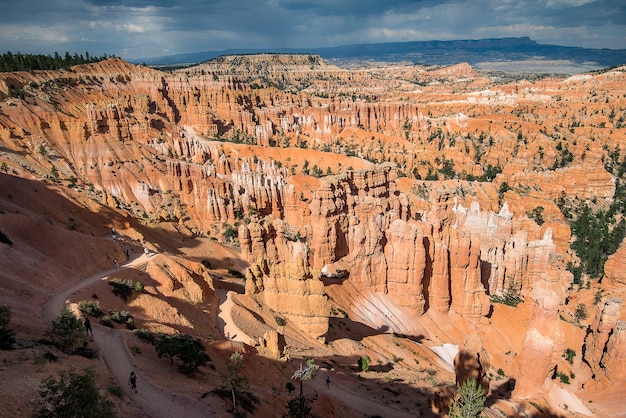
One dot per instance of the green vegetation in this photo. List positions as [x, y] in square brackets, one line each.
[364, 363]
[504, 187]
[7, 336]
[190, 351]
[537, 215]
[511, 297]
[233, 380]
[116, 391]
[28, 62]
[72, 395]
[125, 288]
[597, 231]
[569, 355]
[300, 406]
[90, 307]
[122, 317]
[470, 400]
[67, 331]
[490, 172]
[580, 313]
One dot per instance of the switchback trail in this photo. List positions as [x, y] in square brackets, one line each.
[160, 403]
[151, 399]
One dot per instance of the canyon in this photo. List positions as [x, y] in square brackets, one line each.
[384, 211]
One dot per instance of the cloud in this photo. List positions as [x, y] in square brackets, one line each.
[144, 28]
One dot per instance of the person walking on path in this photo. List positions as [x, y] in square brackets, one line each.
[88, 326]
[116, 263]
[132, 381]
[328, 382]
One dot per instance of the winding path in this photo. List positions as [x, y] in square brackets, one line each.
[151, 399]
[160, 403]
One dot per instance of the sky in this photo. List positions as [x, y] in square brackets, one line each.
[134, 29]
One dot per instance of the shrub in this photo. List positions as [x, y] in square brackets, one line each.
[125, 288]
[72, 395]
[537, 215]
[569, 355]
[116, 391]
[364, 363]
[90, 307]
[67, 331]
[290, 387]
[123, 317]
[511, 297]
[189, 350]
[146, 336]
[580, 313]
[106, 321]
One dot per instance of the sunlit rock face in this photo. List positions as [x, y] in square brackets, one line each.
[316, 173]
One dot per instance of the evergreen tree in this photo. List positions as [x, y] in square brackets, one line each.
[298, 407]
[67, 331]
[470, 400]
[232, 380]
[72, 395]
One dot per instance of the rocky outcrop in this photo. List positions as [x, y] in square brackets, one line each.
[472, 362]
[181, 279]
[280, 273]
[613, 359]
[605, 320]
[543, 344]
[273, 345]
[615, 266]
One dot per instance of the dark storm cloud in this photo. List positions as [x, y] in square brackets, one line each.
[144, 28]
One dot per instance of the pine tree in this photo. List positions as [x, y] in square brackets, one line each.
[66, 331]
[232, 379]
[470, 400]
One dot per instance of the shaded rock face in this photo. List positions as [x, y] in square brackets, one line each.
[543, 343]
[272, 345]
[472, 362]
[615, 356]
[602, 333]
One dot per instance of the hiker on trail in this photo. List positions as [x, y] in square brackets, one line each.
[113, 233]
[88, 326]
[328, 382]
[146, 251]
[132, 381]
[127, 254]
[116, 263]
